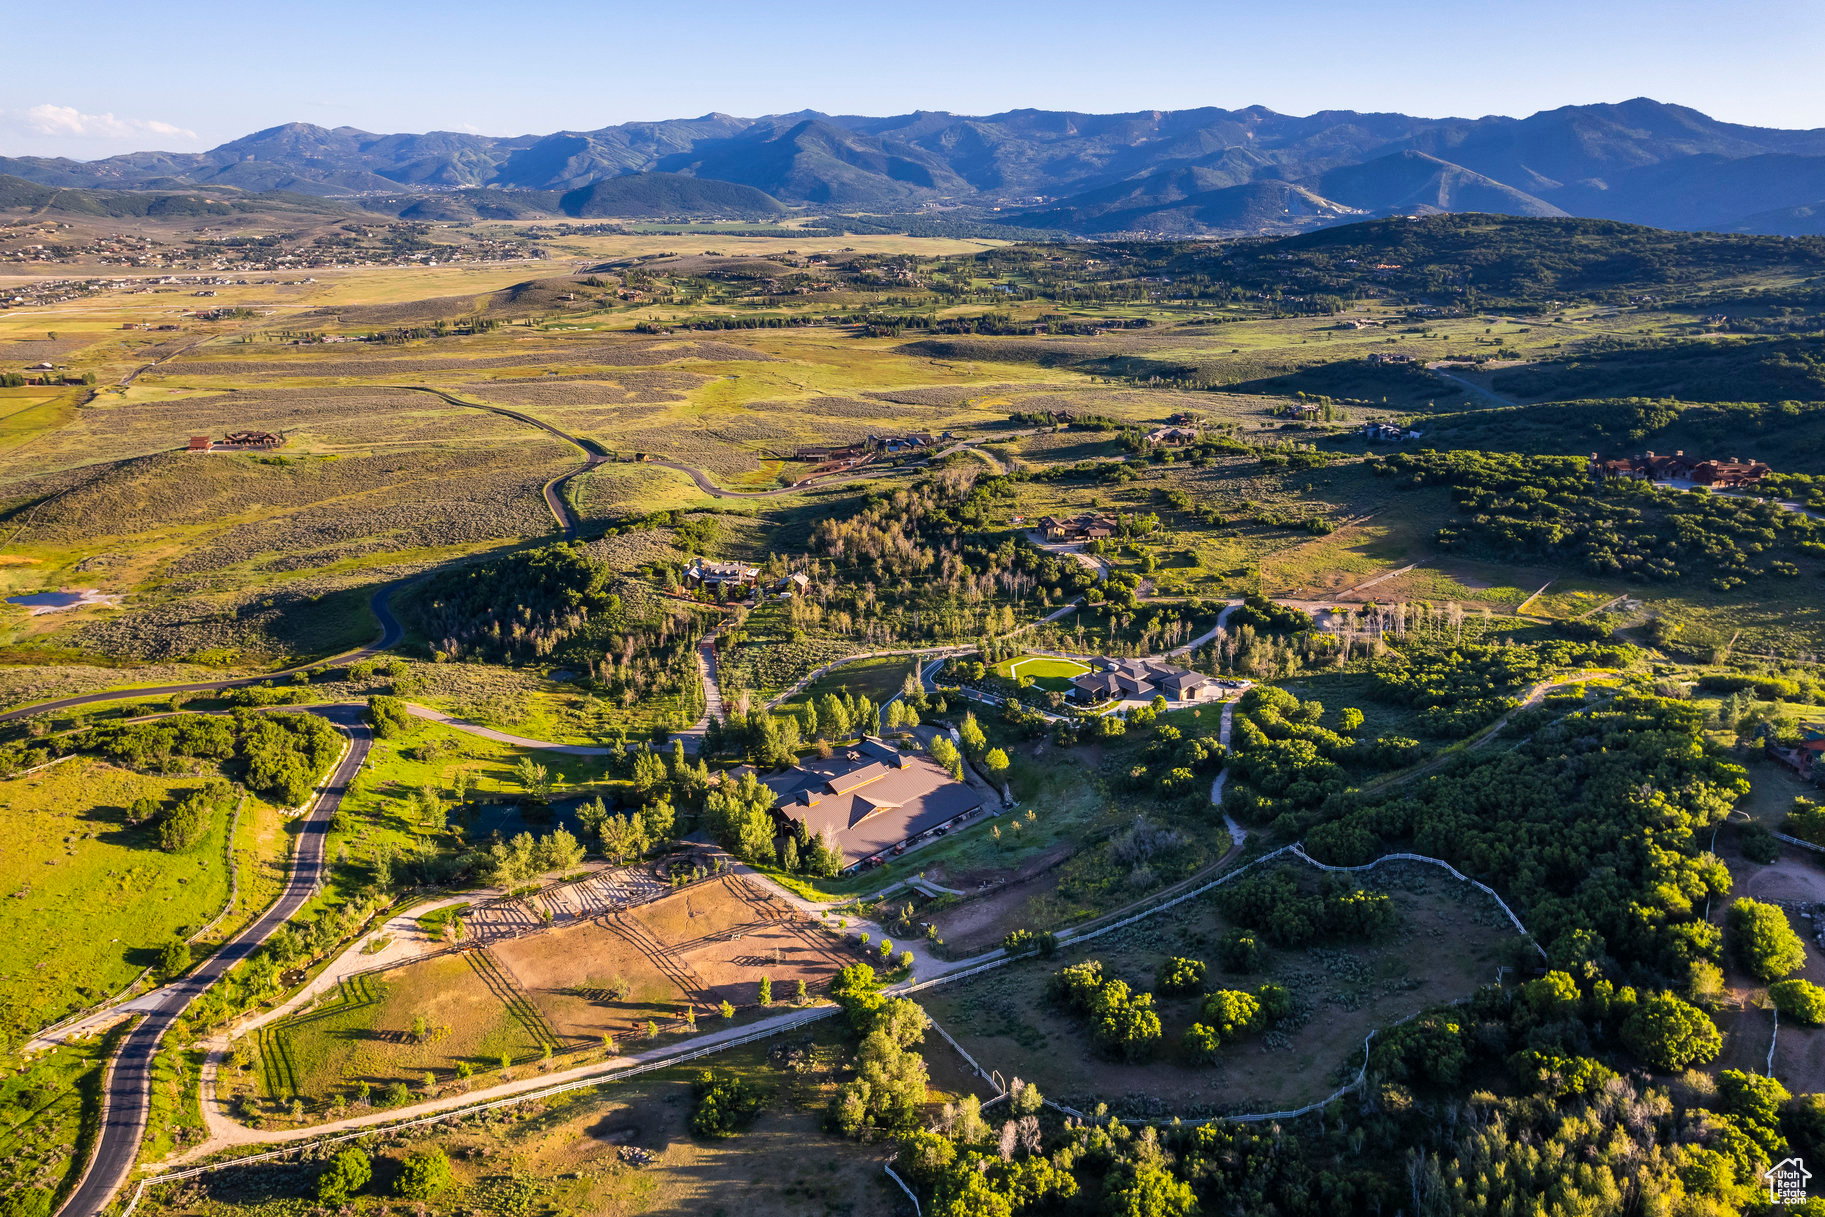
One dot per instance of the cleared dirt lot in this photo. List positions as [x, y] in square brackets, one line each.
[705, 945]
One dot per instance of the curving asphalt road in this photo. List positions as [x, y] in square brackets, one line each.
[593, 453]
[127, 1097]
[390, 634]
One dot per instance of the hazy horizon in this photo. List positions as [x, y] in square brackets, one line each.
[215, 73]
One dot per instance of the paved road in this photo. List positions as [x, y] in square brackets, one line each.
[502, 737]
[390, 634]
[1472, 385]
[127, 1097]
[593, 454]
[717, 492]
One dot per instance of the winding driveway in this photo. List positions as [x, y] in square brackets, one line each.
[127, 1094]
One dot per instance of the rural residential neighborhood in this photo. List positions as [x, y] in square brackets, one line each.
[1123, 618]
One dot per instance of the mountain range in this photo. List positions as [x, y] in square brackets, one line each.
[1184, 172]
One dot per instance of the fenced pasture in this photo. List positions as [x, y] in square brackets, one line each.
[514, 988]
[1450, 940]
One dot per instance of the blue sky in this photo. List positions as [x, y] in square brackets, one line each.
[106, 77]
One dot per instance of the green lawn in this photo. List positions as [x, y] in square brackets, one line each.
[1047, 672]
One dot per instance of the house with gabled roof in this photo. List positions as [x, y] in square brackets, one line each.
[1143, 680]
[870, 799]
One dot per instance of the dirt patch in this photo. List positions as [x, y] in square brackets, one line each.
[1792, 880]
[700, 947]
[982, 921]
[1799, 1059]
[591, 980]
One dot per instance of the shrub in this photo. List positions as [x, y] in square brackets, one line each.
[1231, 1013]
[1758, 844]
[1240, 951]
[1125, 1023]
[348, 1172]
[389, 717]
[1122, 1023]
[1201, 1042]
[187, 823]
[1075, 984]
[1561, 1076]
[1764, 941]
[423, 1175]
[1276, 1003]
[1800, 1000]
[1179, 975]
[726, 1104]
[1428, 1049]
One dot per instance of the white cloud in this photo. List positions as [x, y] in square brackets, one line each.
[67, 122]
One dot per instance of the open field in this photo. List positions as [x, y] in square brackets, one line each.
[564, 988]
[1450, 940]
[364, 1034]
[52, 1106]
[91, 900]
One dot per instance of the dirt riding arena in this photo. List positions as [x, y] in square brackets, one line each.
[709, 943]
[599, 894]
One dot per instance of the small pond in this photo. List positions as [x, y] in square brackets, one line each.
[47, 599]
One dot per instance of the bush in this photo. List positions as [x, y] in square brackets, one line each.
[1764, 941]
[388, 717]
[1020, 942]
[1276, 1003]
[188, 822]
[1241, 951]
[1201, 1042]
[423, 1175]
[1799, 1000]
[348, 1172]
[1123, 1023]
[1178, 975]
[1231, 1013]
[1126, 1024]
[1274, 905]
[1758, 844]
[726, 1104]
[1075, 984]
